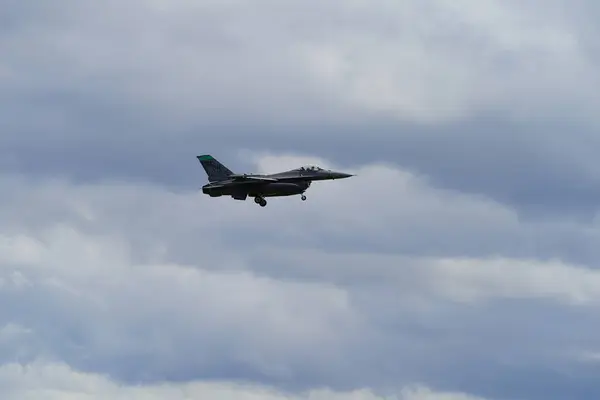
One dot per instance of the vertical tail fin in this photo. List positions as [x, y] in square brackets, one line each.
[214, 169]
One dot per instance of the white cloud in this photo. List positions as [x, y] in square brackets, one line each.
[421, 61]
[92, 282]
[381, 199]
[470, 280]
[377, 281]
[58, 381]
[404, 209]
[435, 61]
[488, 278]
[179, 284]
[217, 75]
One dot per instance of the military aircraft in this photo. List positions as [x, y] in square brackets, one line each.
[223, 182]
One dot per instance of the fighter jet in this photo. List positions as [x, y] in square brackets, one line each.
[223, 182]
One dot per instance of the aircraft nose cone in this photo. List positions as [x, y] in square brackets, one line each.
[341, 175]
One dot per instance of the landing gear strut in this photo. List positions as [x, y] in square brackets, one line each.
[303, 197]
[260, 201]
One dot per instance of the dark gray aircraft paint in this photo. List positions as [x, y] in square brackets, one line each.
[223, 182]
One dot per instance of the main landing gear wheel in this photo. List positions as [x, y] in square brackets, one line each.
[260, 201]
[303, 197]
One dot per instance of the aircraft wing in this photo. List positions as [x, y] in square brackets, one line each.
[243, 181]
[255, 179]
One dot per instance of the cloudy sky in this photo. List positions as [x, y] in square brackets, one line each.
[461, 263]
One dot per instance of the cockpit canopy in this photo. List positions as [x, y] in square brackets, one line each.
[310, 168]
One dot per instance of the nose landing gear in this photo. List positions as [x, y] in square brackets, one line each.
[303, 197]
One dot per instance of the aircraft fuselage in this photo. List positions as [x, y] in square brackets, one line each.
[274, 189]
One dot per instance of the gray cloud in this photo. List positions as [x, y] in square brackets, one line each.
[465, 270]
[496, 98]
[146, 285]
